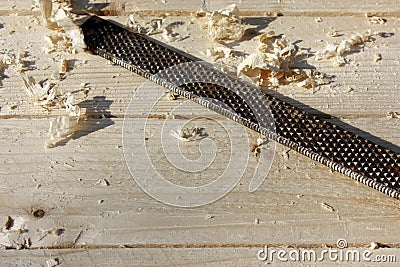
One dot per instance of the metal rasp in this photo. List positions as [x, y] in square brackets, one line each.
[309, 134]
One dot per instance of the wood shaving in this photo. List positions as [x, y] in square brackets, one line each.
[172, 96]
[64, 126]
[188, 134]
[374, 245]
[52, 262]
[169, 33]
[393, 115]
[318, 19]
[8, 223]
[18, 61]
[327, 207]
[58, 42]
[333, 33]
[219, 52]
[223, 24]
[377, 57]
[271, 65]
[134, 25]
[337, 52]
[63, 66]
[41, 94]
[46, 8]
[376, 20]
[72, 32]
[103, 182]
[139, 25]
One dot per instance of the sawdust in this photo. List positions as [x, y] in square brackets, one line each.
[337, 52]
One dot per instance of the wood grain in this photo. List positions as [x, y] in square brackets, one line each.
[86, 222]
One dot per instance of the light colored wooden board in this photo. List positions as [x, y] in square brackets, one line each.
[68, 192]
[168, 257]
[287, 7]
[288, 206]
[374, 88]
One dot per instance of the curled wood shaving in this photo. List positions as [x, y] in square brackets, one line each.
[337, 52]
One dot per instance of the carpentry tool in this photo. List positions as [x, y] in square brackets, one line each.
[309, 134]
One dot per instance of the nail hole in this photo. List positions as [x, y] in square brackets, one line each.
[39, 213]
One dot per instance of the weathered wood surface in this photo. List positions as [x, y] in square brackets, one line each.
[63, 181]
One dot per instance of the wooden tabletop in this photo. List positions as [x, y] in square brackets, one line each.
[77, 204]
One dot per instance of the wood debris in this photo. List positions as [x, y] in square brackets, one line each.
[393, 115]
[64, 126]
[327, 207]
[139, 25]
[224, 24]
[219, 52]
[52, 262]
[337, 52]
[42, 94]
[172, 96]
[169, 33]
[71, 34]
[271, 65]
[103, 182]
[377, 57]
[8, 223]
[189, 134]
[63, 66]
[376, 20]
[46, 8]
[333, 33]
[374, 245]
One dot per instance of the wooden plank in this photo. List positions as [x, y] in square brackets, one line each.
[63, 181]
[373, 88]
[87, 221]
[173, 256]
[286, 7]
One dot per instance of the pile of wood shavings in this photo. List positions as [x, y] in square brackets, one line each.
[223, 24]
[67, 36]
[45, 94]
[271, 65]
[337, 52]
